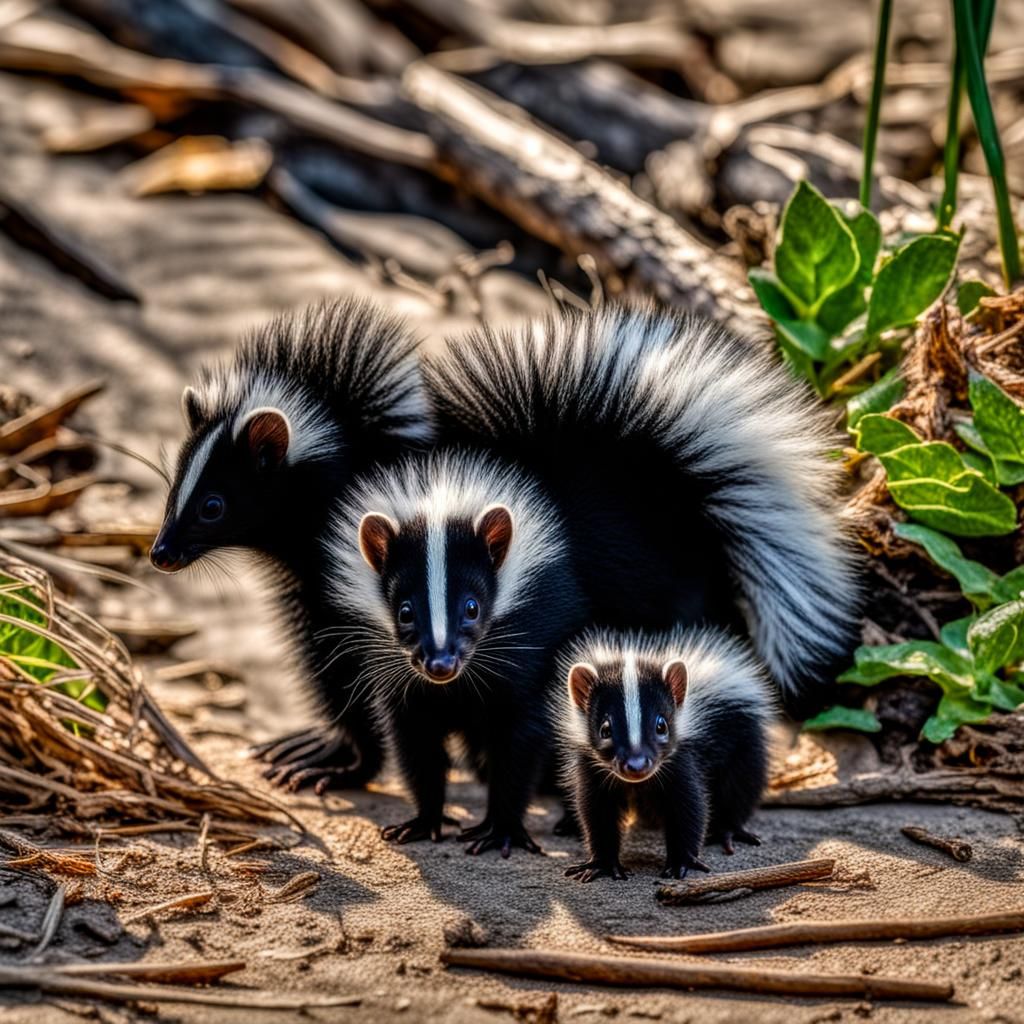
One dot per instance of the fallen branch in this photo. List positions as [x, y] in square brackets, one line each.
[58, 983]
[956, 848]
[636, 972]
[799, 933]
[552, 191]
[773, 877]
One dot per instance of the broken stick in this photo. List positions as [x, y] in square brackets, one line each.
[637, 972]
[774, 877]
[799, 933]
[956, 848]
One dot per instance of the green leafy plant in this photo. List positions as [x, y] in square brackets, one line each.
[978, 660]
[828, 303]
[30, 651]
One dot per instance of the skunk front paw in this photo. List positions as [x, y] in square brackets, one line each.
[416, 829]
[592, 869]
[680, 867]
[740, 835]
[488, 836]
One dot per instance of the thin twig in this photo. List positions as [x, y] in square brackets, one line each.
[798, 933]
[51, 922]
[54, 982]
[189, 902]
[958, 849]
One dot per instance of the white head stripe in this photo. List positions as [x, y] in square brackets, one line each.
[437, 580]
[631, 698]
[195, 468]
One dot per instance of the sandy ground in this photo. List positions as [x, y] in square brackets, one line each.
[374, 924]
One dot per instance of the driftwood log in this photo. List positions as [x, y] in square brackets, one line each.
[549, 188]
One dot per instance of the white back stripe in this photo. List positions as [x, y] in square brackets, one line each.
[437, 580]
[631, 698]
[195, 468]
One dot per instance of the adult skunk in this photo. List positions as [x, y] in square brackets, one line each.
[673, 726]
[275, 436]
[690, 468]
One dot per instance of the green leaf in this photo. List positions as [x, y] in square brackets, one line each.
[990, 689]
[999, 422]
[996, 638]
[951, 713]
[816, 254]
[844, 306]
[911, 281]
[771, 294]
[933, 483]
[954, 635]
[880, 397]
[969, 294]
[976, 580]
[881, 435]
[805, 336]
[838, 717]
[1011, 586]
[874, 665]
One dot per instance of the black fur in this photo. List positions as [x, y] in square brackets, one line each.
[612, 451]
[357, 366]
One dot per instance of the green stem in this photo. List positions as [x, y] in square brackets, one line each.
[968, 37]
[875, 104]
[951, 152]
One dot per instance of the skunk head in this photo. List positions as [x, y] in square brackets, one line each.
[227, 487]
[439, 578]
[628, 706]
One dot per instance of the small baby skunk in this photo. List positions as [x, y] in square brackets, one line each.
[275, 436]
[672, 726]
[691, 469]
[456, 567]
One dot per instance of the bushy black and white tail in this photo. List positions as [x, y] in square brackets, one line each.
[732, 420]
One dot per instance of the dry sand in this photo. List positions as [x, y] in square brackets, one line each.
[374, 923]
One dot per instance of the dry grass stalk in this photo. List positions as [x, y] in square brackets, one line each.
[123, 765]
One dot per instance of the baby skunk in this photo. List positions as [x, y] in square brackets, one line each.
[690, 467]
[275, 436]
[672, 726]
[456, 567]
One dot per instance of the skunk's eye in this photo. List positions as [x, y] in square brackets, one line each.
[405, 615]
[472, 610]
[212, 508]
[605, 732]
[661, 726]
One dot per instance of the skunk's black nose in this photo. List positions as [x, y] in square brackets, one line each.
[637, 766]
[441, 667]
[165, 558]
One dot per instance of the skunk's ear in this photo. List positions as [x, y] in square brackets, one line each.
[376, 534]
[191, 407]
[582, 680]
[266, 433]
[674, 673]
[494, 527]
